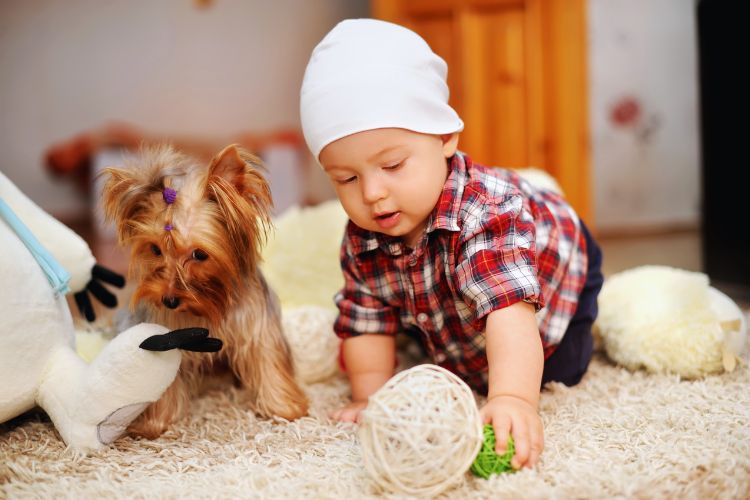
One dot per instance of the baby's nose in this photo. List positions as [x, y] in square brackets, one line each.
[170, 302]
[373, 190]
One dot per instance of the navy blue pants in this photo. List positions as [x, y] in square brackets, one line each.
[571, 359]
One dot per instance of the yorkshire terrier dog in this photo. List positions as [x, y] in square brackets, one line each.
[195, 234]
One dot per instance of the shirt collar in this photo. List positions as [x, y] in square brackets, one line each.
[445, 215]
[448, 207]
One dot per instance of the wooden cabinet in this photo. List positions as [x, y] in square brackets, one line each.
[517, 74]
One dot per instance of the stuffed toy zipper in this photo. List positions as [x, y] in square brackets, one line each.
[57, 276]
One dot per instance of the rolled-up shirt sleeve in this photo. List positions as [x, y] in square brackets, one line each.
[496, 260]
[361, 309]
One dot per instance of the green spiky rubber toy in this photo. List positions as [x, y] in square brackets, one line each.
[488, 462]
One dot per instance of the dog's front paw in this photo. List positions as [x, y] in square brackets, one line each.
[291, 406]
[148, 427]
[159, 416]
[295, 409]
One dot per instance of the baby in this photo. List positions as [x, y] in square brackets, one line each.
[495, 278]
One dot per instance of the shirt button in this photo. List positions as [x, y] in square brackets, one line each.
[422, 317]
[412, 262]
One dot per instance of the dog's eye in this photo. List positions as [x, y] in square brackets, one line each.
[155, 250]
[199, 254]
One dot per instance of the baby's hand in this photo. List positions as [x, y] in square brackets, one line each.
[514, 415]
[350, 412]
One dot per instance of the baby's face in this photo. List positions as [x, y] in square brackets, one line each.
[389, 180]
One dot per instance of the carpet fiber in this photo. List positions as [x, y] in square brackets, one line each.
[617, 434]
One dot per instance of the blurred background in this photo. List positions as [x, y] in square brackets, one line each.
[603, 94]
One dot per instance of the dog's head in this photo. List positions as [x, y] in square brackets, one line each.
[195, 231]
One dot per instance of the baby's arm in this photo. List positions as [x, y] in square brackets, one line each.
[516, 361]
[369, 361]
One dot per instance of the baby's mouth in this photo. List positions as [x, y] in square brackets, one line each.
[388, 219]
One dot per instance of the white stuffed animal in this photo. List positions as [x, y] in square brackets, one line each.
[669, 320]
[90, 405]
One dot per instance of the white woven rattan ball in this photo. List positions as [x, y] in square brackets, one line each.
[420, 432]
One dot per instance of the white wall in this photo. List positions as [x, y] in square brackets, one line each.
[647, 171]
[165, 65]
[171, 67]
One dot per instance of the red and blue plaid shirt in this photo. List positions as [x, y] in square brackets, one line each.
[492, 240]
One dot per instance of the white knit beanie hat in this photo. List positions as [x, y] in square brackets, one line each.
[367, 74]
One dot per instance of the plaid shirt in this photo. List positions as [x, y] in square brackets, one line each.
[491, 241]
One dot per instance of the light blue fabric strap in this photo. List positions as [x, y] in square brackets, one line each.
[57, 275]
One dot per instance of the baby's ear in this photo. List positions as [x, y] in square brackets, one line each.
[450, 144]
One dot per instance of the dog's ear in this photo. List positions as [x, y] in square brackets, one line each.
[236, 184]
[230, 166]
[120, 198]
[133, 195]
[126, 201]
[241, 169]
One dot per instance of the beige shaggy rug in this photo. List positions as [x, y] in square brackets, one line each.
[617, 435]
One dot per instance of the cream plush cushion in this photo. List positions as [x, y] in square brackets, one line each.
[668, 320]
[301, 263]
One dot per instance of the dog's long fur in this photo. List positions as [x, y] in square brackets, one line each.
[200, 255]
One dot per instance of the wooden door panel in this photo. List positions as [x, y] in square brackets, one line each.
[496, 96]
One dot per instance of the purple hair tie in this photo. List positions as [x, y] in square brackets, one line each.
[168, 227]
[169, 195]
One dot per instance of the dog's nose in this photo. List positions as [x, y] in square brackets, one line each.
[170, 302]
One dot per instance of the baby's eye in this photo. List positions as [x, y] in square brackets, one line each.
[393, 166]
[199, 254]
[155, 249]
[348, 180]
